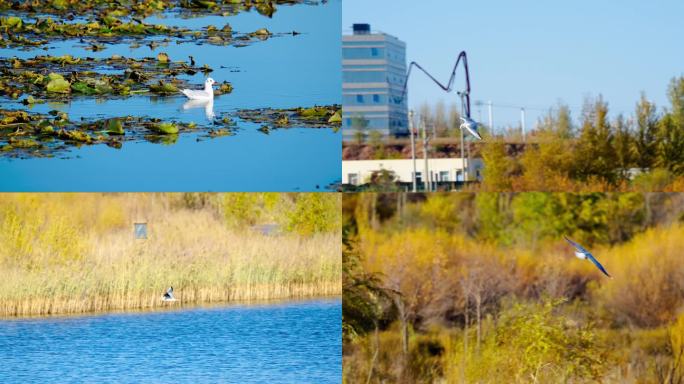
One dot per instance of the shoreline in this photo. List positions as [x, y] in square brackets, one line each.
[176, 306]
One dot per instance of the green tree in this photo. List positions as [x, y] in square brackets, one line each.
[564, 128]
[670, 149]
[623, 146]
[644, 143]
[314, 213]
[595, 152]
[492, 217]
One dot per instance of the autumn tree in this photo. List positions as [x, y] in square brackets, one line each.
[547, 163]
[496, 175]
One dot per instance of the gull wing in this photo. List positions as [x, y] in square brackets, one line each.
[579, 247]
[471, 126]
[597, 264]
[169, 294]
[195, 94]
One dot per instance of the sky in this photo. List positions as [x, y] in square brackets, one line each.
[533, 54]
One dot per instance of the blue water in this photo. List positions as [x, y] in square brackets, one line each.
[291, 342]
[282, 72]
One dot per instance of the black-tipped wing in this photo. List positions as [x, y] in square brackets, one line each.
[597, 264]
[579, 247]
[169, 293]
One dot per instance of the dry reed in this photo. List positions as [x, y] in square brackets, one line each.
[76, 253]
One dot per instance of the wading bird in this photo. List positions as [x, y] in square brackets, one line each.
[168, 296]
[206, 94]
[584, 254]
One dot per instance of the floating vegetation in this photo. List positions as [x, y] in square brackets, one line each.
[314, 117]
[143, 8]
[31, 33]
[62, 77]
[26, 134]
[96, 25]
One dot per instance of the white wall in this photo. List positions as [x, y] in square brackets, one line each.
[403, 169]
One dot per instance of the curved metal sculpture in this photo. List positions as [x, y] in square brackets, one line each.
[446, 88]
[468, 124]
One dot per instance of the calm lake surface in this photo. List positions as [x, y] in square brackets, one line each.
[288, 342]
[282, 72]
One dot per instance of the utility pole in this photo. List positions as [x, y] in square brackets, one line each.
[522, 122]
[426, 179]
[413, 149]
[491, 120]
[463, 113]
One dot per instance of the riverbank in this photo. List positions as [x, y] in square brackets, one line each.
[77, 253]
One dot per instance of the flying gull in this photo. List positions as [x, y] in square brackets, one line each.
[584, 254]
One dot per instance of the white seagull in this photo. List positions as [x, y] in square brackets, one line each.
[168, 296]
[206, 94]
[471, 126]
[583, 254]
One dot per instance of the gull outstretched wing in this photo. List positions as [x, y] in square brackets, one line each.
[579, 247]
[597, 264]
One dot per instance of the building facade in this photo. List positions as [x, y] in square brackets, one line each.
[374, 72]
[440, 170]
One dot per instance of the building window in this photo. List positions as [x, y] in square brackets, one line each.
[376, 98]
[359, 98]
[374, 51]
[419, 178]
[459, 175]
[353, 178]
[443, 175]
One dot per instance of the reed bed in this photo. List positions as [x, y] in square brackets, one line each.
[66, 254]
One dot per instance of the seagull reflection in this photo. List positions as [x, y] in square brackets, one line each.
[207, 104]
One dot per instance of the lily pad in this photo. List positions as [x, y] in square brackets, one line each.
[166, 128]
[163, 57]
[164, 88]
[114, 127]
[336, 117]
[32, 100]
[261, 32]
[57, 84]
[83, 88]
[13, 22]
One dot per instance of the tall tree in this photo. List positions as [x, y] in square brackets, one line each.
[454, 120]
[595, 154]
[497, 166]
[441, 124]
[644, 144]
[623, 145]
[670, 149]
